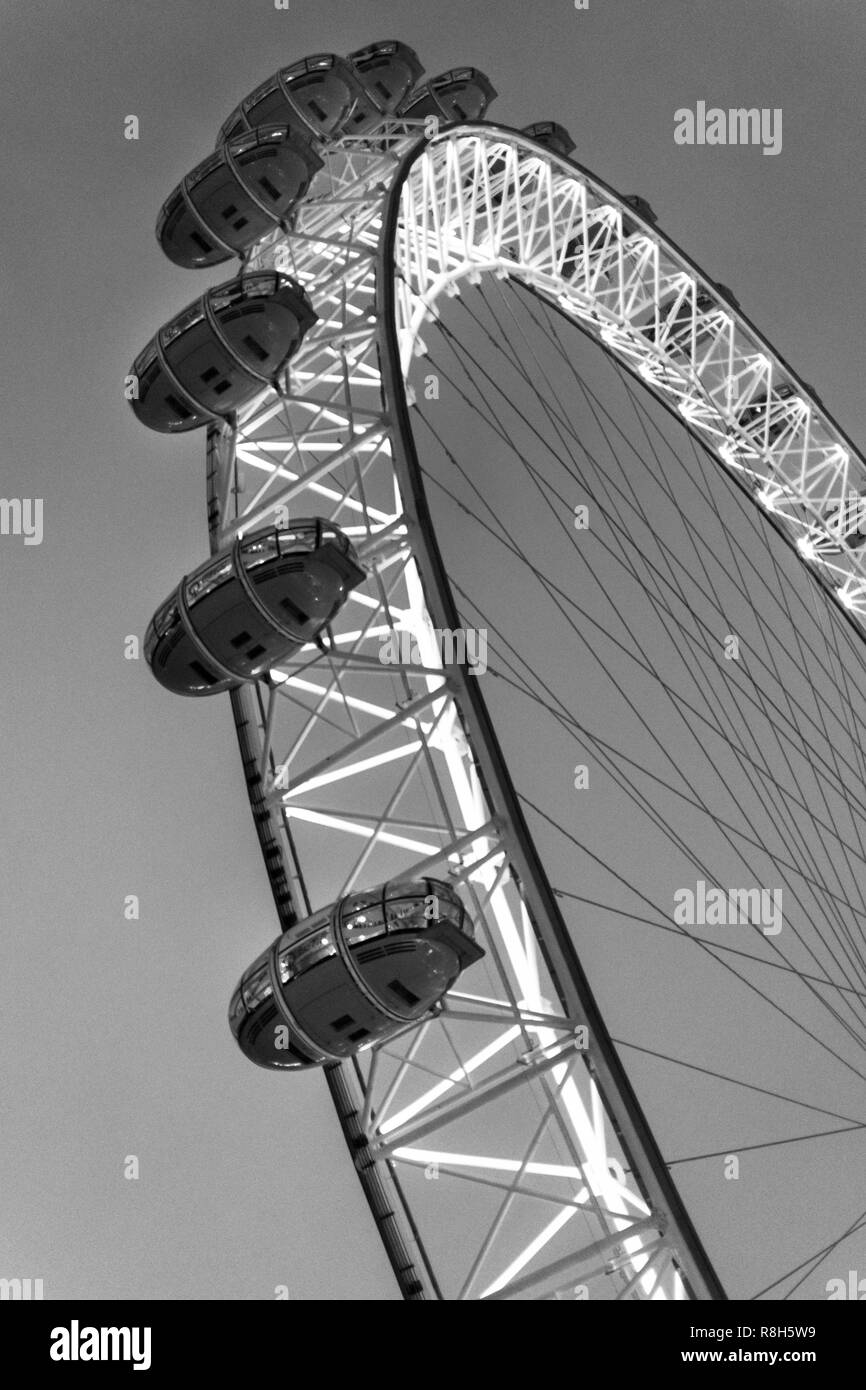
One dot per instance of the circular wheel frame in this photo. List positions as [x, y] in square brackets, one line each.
[496, 1085]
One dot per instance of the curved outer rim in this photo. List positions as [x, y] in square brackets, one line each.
[819, 575]
[378, 1177]
[488, 127]
[575, 994]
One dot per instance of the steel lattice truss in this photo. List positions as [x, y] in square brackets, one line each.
[499, 1143]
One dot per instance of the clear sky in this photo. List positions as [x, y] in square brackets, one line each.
[115, 1040]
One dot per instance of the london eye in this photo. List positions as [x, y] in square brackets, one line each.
[499, 480]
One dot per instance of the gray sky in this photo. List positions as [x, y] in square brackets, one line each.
[114, 1033]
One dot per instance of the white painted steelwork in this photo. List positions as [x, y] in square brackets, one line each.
[501, 1147]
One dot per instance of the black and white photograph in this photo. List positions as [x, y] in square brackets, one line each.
[433, 556]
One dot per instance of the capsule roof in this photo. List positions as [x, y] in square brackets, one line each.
[221, 350]
[641, 207]
[462, 94]
[321, 97]
[233, 197]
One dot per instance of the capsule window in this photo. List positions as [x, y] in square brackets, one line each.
[344, 1021]
[256, 348]
[241, 640]
[178, 407]
[167, 646]
[294, 611]
[208, 376]
[203, 673]
[272, 192]
[229, 212]
[271, 107]
[201, 242]
[256, 651]
[358, 1034]
[403, 992]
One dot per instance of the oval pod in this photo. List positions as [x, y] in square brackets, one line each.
[463, 94]
[251, 606]
[216, 354]
[321, 97]
[245, 189]
[353, 975]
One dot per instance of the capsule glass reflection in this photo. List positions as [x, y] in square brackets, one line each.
[249, 607]
[353, 975]
[463, 94]
[220, 351]
[235, 196]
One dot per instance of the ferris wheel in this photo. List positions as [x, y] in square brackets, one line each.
[425, 960]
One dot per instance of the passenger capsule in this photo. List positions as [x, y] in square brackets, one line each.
[677, 326]
[389, 70]
[251, 606]
[463, 94]
[756, 412]
[548, 133]
[727, 294]
[599, 235]
[215, 355]
[321, 97]
[554, 137]
[236, 195]
[353, 975]
[642, 208]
